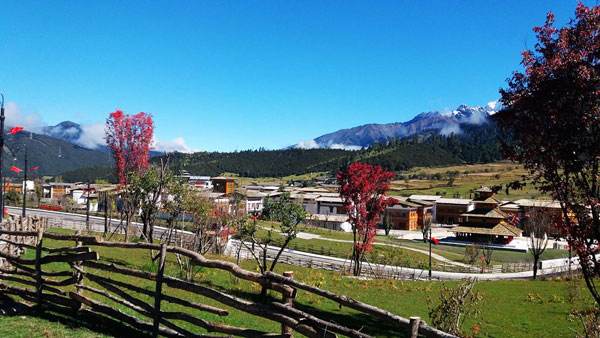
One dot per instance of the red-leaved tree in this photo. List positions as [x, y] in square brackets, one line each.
[129, 138]
[551, 123]
[362, 187]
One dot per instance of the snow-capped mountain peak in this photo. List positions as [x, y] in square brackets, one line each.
[443, 122]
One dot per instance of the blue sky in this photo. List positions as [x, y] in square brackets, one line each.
[227, 75]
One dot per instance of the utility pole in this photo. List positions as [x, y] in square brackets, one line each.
[105, 212]
[25, 169]
[430, 252]
[87, 208]
[1, 151]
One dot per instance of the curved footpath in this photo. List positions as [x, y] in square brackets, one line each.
[549, 267]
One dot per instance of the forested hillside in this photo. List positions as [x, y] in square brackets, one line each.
[477, 144]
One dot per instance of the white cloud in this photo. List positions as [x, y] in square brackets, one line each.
[14, 117]
[344, 146]
[450, 129]
[307, 144]
[92, 135]
[492, 105]
[177, 144]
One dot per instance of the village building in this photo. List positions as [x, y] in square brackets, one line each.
[225, 185]
[81, 195]
[307, 200]
[328, 205]
[55, 191]
[449, 210]
[485, 222]
[253, 201]
[402, 216]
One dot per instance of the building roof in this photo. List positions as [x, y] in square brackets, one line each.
[512, 206]
[424, 197]
[329, 194]
[252, 193]
[221, 178]
[489, 200]
[330, 199]
[537, 203]
[456, 201]
[313, 189]
[304, 196]
[402, 207]
[422, 203]
[485, 213]
[405, 203]
[501, 229]
[58, 184]
[211, 195]
[484, 189]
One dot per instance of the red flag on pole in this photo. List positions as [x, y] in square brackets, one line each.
[15, 169]
[15, 130]
[514, 220]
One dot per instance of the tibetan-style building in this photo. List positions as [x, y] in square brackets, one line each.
[486, 223]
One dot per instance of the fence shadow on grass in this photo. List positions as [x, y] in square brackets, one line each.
[67, 317]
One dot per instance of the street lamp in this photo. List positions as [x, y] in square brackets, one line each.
[25, 170]
[1, 151]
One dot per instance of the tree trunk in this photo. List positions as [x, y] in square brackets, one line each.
[535, 266]
[357, 268]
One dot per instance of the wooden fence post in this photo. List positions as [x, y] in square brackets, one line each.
[288, 300]
[39, 285]
[158, 289]
[414, 326]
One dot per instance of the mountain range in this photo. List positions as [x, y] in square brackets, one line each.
[441, 122]
[49, 155]
[467, 136]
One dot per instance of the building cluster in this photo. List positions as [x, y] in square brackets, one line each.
[481, 218]
[485, 218]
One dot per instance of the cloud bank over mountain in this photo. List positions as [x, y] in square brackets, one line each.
[89, 136]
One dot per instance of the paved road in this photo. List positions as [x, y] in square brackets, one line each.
[76, 221]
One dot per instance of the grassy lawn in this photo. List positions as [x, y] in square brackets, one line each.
[454, 253]
[31, 326]
[457, 253]
[509, 308]
[380, 254]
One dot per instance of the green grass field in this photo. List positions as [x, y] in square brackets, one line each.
[434, 180]
[510, 308]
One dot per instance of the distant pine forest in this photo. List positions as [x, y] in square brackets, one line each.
[475, 144]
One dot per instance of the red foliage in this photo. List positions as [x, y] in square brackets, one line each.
[15, 130]
[129, 138]
[551, 124]
[362, 187]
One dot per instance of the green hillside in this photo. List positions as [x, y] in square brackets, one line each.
[477, 144]
[53, 156]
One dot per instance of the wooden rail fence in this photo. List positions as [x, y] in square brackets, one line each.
[32, 280]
